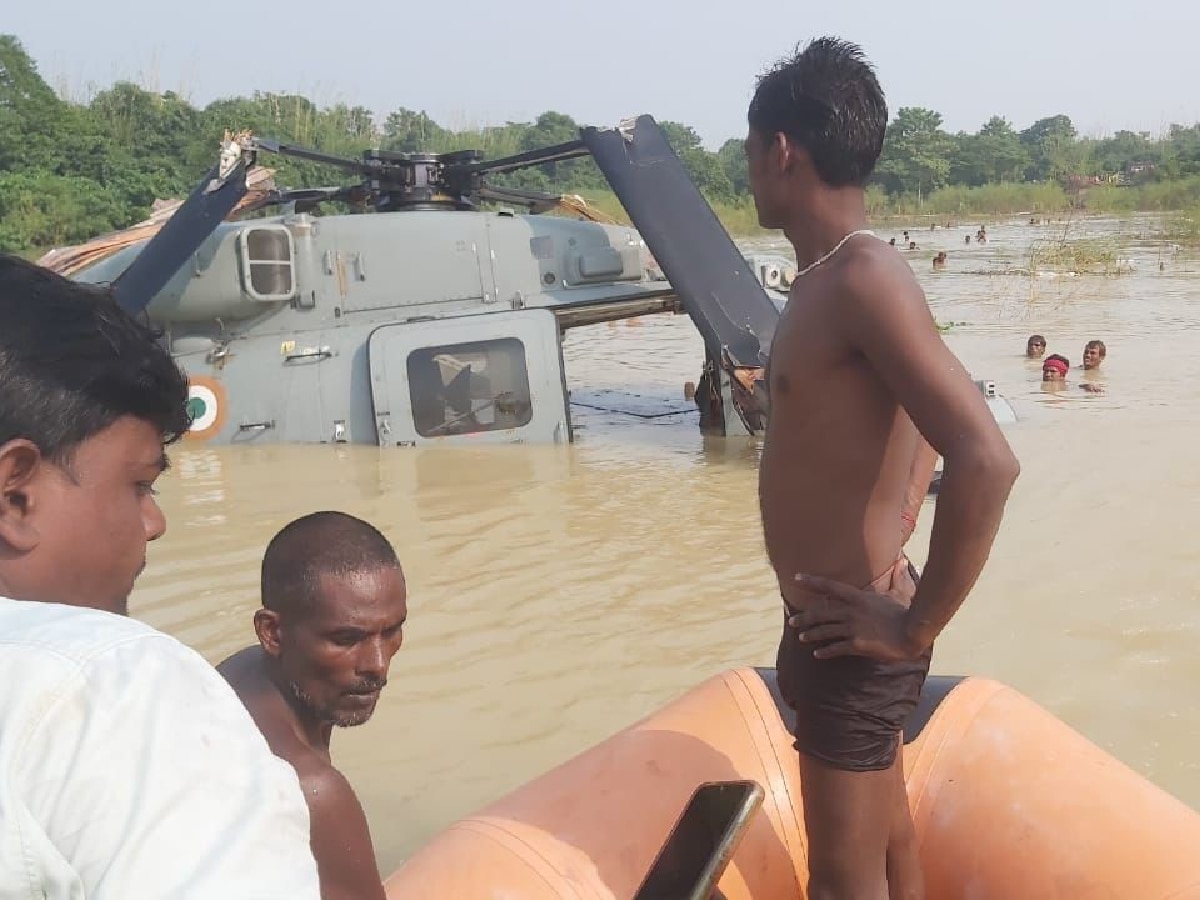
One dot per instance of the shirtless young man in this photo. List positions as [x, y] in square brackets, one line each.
[861, 385]
[334, 607]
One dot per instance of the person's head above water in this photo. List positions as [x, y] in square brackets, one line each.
[88, 401]
[1093, 354]
[1035, 346]
[334, 606]
[1055, 368]
[816, 124]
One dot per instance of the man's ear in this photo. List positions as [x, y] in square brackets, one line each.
[21, 467]
[784, 152]
[267, 626]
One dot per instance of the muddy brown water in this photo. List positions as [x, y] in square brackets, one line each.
[558, 594]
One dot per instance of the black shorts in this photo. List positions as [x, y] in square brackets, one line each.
[850, 710]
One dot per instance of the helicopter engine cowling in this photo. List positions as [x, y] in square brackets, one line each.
[241, 271]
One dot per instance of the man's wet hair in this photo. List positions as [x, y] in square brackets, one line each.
[827, 99]
[1099, 345]
[72, 363]
[321, 543]
[1036, 339]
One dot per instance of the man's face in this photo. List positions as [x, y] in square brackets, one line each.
[1035, 348]
[1092, 357]
[336, 655]
[1050, 373]
[78, 532]
[764, 170]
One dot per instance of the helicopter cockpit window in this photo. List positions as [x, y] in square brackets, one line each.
[267, 255]
[469, 388]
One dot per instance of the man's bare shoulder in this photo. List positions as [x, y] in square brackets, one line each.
[874, 274]
[341, 837]
[325, 788]
[879, 298]
[247, 674]
[237, 666]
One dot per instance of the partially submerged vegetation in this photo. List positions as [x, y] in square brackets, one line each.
[1184, 228]
[1077, 257]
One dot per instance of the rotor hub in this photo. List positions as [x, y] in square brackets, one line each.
[421, 180]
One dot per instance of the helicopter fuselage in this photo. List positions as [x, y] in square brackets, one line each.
[430, 320]
[394, 328]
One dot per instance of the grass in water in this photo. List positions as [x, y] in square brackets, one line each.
[1184, 228]
[1081, 257]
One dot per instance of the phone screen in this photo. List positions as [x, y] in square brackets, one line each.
[702, 842]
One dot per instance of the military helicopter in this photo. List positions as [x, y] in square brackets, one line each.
[429, 318]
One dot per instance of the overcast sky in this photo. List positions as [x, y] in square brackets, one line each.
[1107, 65]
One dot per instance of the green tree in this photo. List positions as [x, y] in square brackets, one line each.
[1053, 149]
[407, 131]
[916, 152]
[993, 155]
[733, 160]
[704, 168]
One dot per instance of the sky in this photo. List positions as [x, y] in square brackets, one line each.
[469, 63]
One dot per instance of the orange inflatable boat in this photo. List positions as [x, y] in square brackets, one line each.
[1008, 802]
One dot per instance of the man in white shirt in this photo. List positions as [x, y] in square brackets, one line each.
[128, 767]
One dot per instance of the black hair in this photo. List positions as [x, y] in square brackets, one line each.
[320, 543]
[1036, 337]
[73, 362]
[827, 99]
[1056, 356]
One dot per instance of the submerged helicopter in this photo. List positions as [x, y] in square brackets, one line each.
[432, 319]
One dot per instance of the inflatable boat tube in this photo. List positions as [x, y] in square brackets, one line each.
[1008, 802]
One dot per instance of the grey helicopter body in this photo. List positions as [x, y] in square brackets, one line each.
[430, 319]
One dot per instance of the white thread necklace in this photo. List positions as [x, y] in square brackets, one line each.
[836, 248]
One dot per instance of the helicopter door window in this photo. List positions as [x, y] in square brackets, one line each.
[469, 388]
[267, 253]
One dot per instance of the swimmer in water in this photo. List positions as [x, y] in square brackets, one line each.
[334, 607]
[1055, 368]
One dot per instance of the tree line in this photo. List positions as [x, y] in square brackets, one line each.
[70, 171]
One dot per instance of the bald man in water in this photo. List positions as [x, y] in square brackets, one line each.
[334, 604]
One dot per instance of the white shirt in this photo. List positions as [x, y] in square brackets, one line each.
[129, 770]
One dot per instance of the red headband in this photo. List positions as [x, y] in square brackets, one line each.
[1056, 364]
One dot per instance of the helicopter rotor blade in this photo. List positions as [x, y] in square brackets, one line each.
[316, 156]
[205, 208]
[307, 198]
[556, 153]
[537, 201]
[716, 286]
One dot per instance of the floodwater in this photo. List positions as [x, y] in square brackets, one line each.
[558, 594]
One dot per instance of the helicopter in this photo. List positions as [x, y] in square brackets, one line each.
[427, 315]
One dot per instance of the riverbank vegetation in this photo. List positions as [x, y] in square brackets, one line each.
[74, 167]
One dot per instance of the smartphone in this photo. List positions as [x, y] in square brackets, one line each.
[702, 842]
